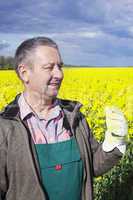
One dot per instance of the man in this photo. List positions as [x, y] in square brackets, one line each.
[47, 150]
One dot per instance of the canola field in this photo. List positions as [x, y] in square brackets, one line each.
[95, 88]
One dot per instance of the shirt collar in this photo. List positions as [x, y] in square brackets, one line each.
[26, 110]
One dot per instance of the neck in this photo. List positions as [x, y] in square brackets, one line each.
[38, 102]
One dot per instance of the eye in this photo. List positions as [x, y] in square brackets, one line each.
[48, 66]
[60, 65]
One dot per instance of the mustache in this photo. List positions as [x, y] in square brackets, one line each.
[55, 82]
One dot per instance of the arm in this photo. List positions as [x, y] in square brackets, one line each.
[3, 173]
[102, 161]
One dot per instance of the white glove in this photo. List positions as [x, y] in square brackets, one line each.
[116, 130]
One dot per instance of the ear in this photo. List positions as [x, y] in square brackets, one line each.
[23, 73]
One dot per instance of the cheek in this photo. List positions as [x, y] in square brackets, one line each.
[41, 78]
[39, 81]
[62, 75]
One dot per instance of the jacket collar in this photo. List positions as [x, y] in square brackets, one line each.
[12, 110]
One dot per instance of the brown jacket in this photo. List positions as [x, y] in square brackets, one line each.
[19, 170]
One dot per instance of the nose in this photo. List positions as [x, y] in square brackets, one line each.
[58, 72]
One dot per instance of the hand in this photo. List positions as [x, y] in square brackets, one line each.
[116, 128]
[115, 121]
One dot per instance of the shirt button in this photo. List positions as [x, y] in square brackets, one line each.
[58, 167]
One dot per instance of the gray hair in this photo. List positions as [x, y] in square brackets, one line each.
[23, 50]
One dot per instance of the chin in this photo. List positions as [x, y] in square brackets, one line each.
[53, 94]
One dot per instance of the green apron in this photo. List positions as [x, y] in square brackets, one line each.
[61, 169]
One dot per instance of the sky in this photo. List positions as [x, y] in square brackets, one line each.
[88, 32]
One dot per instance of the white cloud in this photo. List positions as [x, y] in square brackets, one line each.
[99, 31]
[89, 34]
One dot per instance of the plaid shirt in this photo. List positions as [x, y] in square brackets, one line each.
[44, 131]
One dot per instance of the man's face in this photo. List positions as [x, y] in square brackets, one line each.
[46, 75]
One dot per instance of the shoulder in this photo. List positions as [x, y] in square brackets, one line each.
[5, 127]
[69, 105]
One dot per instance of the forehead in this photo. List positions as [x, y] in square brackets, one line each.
[46, 54]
